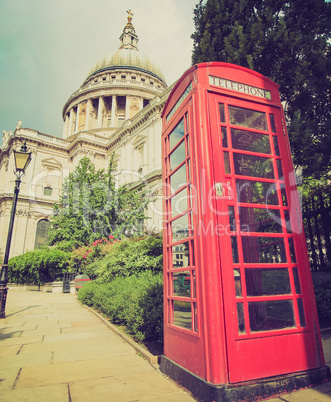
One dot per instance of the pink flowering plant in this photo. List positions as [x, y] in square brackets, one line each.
[85, 255]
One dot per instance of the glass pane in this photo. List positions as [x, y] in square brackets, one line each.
[178, 156]
[222, 113]
[256, 192]
[241, 318]
[284, 198]
[260, 220]
[224, 138]
[267, 282]
[187, 122]
[301, 313]
[179, 203]
[181, 284]
[181, 255]
[194, 291]
[180, 228]
[192, 254]
[249, 141]
[272, 123]
[247, 118]
[237, 282]
[177, 134]
[276, 146]
[189, 170]
[256, 166]
[263, 249]
[227, 168]
[287, 221]
[296, 281]
[280, 169]
[178, 179]
[195, 321]
[292, 250]
[271, 315]
[234, 245]
[182, 314]
[232, 219]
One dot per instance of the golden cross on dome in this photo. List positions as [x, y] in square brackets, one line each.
[130, 16]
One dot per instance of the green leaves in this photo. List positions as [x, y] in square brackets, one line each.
[92, 207]
[135, 301]
[38, 266]
[289, 42]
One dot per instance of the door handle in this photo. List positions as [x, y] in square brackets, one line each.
[219, 189]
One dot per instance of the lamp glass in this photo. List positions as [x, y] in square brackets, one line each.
[22, 159]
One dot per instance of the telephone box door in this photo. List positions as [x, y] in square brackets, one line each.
[262, 251]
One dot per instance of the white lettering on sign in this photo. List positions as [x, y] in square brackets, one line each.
[239, 87]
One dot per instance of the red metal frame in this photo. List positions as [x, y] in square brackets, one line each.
[220, 324]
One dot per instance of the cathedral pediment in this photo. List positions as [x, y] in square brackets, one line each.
[51, 163]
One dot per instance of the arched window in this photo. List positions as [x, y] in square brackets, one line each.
[43, 227]
[48, 190]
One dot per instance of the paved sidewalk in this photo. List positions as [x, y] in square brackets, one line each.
[54, 349]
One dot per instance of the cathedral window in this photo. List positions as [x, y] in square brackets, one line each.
[48, 190]
[42, 233]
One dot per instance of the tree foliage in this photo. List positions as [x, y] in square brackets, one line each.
[289, 42]
[92, 207]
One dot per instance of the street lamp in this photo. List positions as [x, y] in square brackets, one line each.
[22, 159]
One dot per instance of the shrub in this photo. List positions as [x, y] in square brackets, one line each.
[37, 266]
[128, 257]
[135, 301]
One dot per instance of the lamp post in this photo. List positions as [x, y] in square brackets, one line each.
[22, 159]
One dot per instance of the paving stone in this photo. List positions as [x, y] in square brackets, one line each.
[7, 378]
[52, 393]
[9, 350]
[136, 387]
[80, 370]
[24, 360]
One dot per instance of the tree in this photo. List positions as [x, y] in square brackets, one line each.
[92, 207]
[289, 42]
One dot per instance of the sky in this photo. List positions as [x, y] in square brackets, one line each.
[47, 48]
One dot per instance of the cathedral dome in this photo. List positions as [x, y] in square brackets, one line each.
[126, 58]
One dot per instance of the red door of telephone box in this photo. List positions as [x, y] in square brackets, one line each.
[238, 294]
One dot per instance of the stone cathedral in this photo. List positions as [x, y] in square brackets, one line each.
[116, 110]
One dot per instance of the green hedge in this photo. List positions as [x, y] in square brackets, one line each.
[37, 266]
[135, 301]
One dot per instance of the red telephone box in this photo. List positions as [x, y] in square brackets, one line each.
[238, 294]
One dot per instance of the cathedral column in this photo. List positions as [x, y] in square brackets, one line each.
[77, 118]
[71, 118]
[141, 104]
[65, 127]
[100, 111]
[127, 107]
[88, 114]
[113, 111]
